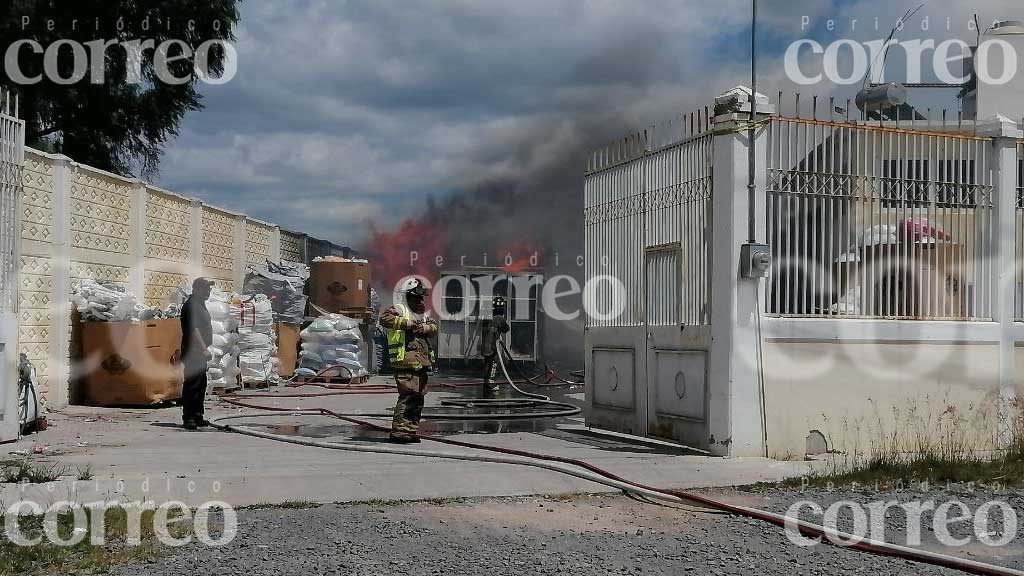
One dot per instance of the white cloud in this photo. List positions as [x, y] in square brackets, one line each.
[351, 111]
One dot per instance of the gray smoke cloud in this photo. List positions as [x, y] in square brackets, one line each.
[346, 114]
[534, 199]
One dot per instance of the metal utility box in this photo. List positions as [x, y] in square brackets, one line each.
[466, 297]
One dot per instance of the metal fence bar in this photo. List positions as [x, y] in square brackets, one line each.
[1018, 292]
[613, 222]
[677, 215]
[11, 160]
[878, 221]
[652, 189]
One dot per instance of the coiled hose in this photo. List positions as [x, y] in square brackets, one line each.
[552, 409]
[587, 471]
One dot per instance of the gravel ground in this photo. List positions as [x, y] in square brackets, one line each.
[963, 524]
[584, 535]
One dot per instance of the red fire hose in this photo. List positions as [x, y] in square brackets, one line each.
[807, 529]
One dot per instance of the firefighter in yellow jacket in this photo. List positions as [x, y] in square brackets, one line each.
[409, 333]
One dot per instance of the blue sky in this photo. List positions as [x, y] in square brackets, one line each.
[346, 113]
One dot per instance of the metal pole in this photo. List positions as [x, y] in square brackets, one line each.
[751, 158]
[751, 214]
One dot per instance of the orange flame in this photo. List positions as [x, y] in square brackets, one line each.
[520, 256]
[410, 249]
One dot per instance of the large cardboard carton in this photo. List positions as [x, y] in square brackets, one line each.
[132, 363]
[287, 348]
[340, 286]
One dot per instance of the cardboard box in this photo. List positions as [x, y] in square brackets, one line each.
[132, 363]
[340, 286]
[287, 348]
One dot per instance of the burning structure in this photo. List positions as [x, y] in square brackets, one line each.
[467, 295]
[505, 233]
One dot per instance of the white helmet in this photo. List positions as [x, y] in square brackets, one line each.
[413, 287]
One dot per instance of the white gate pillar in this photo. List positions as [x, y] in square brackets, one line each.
[275, 245]
[60, 258]
[1003, 166]
[195, 239]
[137, 274]
[735, 417]
[239, 258]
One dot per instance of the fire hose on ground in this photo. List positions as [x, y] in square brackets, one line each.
[549, 408]
[576, 468]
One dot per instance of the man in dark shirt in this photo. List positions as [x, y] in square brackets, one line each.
[196, 337]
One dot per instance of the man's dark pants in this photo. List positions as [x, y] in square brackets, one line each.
[193, 391]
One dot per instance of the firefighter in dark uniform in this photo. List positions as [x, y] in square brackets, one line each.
[410, 356]
[491, 331]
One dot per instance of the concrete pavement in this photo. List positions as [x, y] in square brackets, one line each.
[142, 454]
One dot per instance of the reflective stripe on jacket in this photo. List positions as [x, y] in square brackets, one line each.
[396, 339]
[407, 351]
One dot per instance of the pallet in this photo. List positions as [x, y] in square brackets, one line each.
[364, 315]
[331, 380]
[257, 385]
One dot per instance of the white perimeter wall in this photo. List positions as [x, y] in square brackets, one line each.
[79, 222]
[858, 382]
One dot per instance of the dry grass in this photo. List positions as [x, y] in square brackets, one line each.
[932, 442]
[84, 557]
[286, 505]
[24, 470]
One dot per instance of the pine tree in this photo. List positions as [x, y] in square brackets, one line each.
[118, 124]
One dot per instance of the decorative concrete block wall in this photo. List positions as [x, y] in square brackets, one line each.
[79, 222]
[257, 242]
[101, 215]
[35, 293]
[292, 247]
[218, 247]
[168, 239]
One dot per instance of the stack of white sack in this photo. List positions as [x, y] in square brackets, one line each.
[112, 302]
[257, 347]
[222, 369]
[331, 340]
[285, 285]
